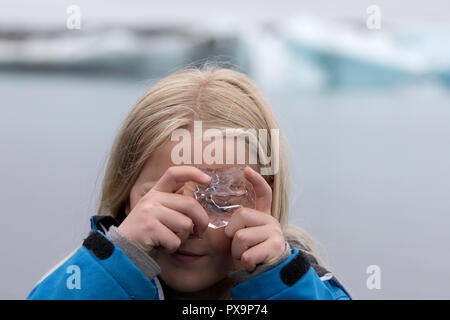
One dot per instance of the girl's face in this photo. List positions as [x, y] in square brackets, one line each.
[215, 246]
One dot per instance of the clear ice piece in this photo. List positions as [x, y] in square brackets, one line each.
[227, 192]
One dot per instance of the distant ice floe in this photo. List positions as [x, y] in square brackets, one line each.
[133, 51]
[301, 53]
[359, 57]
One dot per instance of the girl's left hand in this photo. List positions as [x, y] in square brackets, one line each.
[257, 236]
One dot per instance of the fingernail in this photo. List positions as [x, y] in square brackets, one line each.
[207, 178]
[251, 169]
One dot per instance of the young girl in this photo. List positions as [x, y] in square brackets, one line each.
[151, 241]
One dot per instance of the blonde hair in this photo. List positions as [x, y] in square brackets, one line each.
[221, 98]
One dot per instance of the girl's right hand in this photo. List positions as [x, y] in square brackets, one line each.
[163, 218]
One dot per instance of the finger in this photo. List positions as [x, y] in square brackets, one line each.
[180, 191]
[246, 238]
[185, 205]
[177, 222]
[167, 240]
[246, 217]
[265, 252]
[175, 177]
[263, 192]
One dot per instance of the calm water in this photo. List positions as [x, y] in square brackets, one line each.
[371, 174]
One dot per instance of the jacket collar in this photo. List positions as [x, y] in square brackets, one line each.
[103, 223]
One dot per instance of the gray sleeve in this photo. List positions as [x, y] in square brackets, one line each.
[239, 276]
[140, 258]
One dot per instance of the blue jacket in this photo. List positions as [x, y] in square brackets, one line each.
[100, 270]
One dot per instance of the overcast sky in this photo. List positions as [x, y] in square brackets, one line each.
[51, 13]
